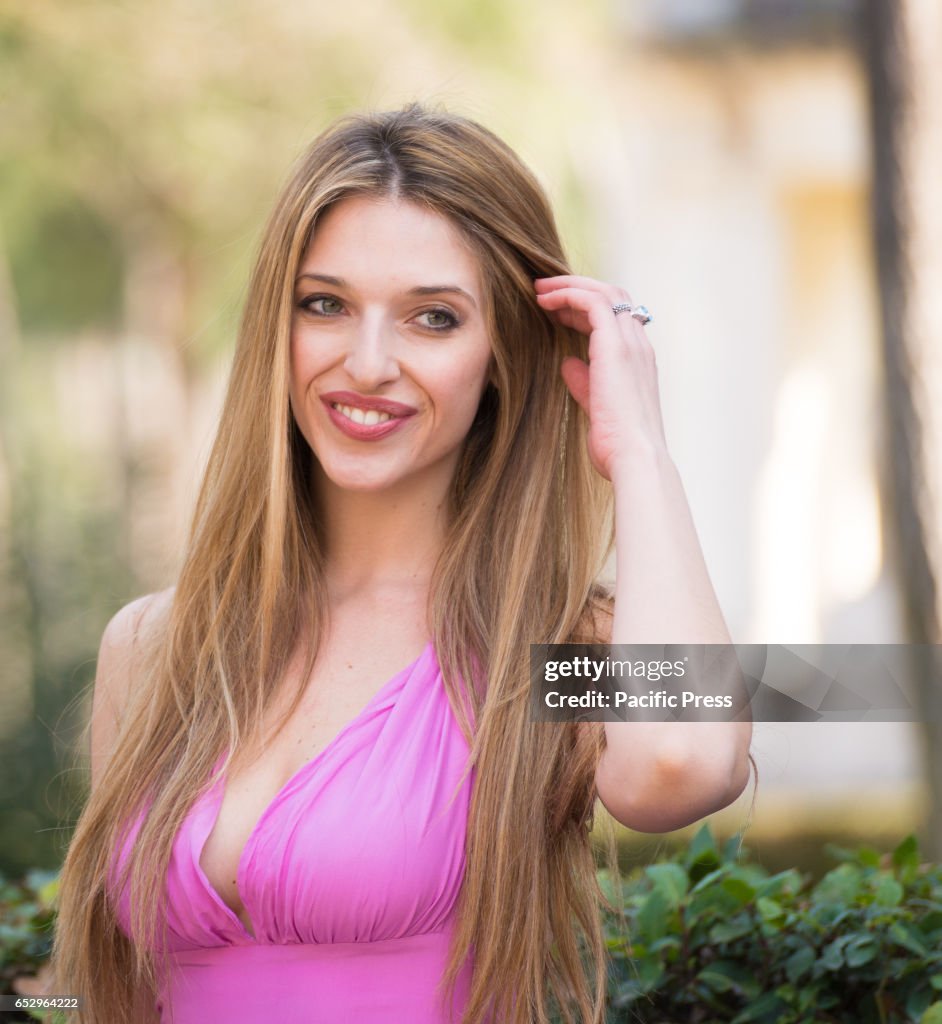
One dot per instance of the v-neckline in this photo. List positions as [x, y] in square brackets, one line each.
[218, 789]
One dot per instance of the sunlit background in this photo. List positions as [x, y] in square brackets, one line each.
[712, 157]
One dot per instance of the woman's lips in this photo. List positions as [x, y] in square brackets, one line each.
[363, 417]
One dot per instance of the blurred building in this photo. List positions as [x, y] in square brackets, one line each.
[733, 199]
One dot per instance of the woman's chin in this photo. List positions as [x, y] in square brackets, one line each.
[387, 473]
[361, 479]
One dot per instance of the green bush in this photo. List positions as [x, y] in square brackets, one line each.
[712, 938]
[27, 916]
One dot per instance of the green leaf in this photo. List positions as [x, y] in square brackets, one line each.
[766, 1004]
[868, 856]
[841, 853]
[724, 975]
[650, 973]
[769, 910]
[918, 1002]
[888, 892]
[607, 885]
[733, 848]
[739, 888]
[936, 981]
[727, 931]
[933, 1015]
[799, 963]
[832, 956]
[706, 865]
[712, 905]
[861, 950]
[665, 942]
[626, 994]
[671, 880]
[906, 855]
[708, 880]
[908, 937]
[788, 882]
[840, 884]
[37, 878]
[702, 843]
[827, 914]
[652, 917]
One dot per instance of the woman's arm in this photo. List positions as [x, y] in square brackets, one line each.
[660, 776]
[652, 776]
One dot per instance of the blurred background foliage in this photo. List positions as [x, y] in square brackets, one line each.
[141, 145]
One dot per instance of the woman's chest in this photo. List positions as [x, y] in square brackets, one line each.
[265, 789]
[252, 789]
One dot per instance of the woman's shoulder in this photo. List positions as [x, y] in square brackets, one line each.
[114, 670]
[126, 627]
[126, 623]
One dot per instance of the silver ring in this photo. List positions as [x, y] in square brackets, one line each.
[641, 313]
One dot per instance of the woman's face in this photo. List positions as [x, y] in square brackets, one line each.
[389, 350]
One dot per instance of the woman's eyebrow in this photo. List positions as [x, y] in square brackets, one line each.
[424, 289]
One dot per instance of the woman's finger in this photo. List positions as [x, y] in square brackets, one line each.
[581, 302]
[556, 305]
[592, 314]
[570, 318]
[617, 294]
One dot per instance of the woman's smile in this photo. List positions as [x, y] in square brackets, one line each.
[365, 418]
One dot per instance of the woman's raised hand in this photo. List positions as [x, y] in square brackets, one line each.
[618, 388]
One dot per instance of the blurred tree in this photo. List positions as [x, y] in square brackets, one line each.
[901, 39]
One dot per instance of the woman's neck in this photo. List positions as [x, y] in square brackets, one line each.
[378, 538]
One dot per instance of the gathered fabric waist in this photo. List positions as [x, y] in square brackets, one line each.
[389, 980]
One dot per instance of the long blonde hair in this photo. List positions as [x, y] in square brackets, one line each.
[530, 529]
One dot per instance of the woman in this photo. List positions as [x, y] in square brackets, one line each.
[403, 476]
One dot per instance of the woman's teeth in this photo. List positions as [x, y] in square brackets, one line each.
[367, 417]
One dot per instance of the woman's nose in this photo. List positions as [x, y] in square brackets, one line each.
[371, 358]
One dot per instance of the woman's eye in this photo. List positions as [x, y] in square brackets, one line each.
[445, 321]
[308, 304]
[327, 305]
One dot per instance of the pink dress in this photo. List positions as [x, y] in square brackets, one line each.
[349, 877]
